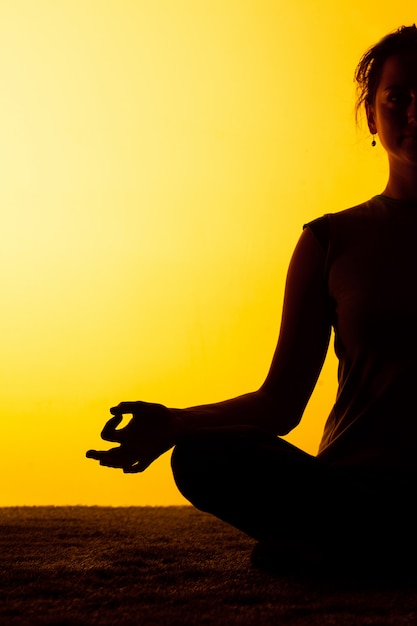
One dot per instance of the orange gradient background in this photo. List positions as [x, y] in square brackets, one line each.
[158, 161]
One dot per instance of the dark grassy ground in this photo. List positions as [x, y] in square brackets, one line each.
[166, 566]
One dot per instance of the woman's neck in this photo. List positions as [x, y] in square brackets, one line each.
[402, 185]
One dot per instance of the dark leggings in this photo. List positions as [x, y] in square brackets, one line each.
[270, 490]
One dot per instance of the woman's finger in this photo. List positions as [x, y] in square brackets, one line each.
[124, 407]
[93, 454]
[109, 432]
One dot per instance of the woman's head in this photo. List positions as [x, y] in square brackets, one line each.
[369, 70]
[387, 84]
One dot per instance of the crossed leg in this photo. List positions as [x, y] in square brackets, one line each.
[278, 494]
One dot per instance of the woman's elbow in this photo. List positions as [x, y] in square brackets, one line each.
[282, 416]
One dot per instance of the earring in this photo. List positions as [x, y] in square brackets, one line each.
[373, 144]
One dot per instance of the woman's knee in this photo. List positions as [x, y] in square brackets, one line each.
[188, 468]
[204, 462]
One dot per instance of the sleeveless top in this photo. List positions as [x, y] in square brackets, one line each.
[371, 277]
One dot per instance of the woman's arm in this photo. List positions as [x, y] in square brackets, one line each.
[276, 407]
[304, 336]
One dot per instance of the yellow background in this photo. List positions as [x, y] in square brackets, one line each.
[158, 160]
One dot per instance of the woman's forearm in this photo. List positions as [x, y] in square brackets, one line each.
[258, 409]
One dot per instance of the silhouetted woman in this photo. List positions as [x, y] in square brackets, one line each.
[355, 271]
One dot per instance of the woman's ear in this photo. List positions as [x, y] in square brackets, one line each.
[370, 116]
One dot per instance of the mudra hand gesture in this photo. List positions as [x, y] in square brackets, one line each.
[149, 434]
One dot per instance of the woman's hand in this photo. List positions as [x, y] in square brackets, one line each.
[151, 432]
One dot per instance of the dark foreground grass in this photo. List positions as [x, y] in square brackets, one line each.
[91, 565]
